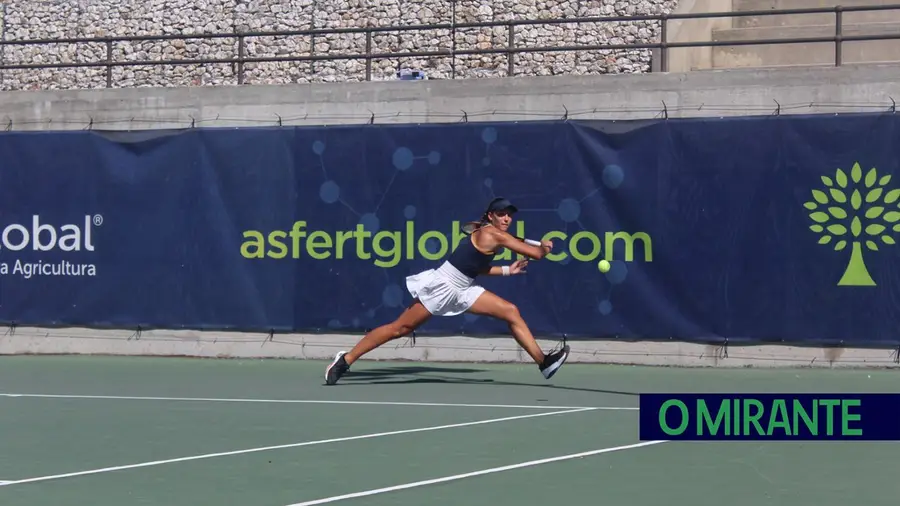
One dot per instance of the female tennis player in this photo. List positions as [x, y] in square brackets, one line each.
[450, 290]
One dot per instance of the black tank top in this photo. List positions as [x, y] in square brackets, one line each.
[468, 260]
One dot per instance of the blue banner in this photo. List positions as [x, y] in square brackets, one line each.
[760, 229]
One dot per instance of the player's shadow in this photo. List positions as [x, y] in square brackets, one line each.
[387, 375]
[399, 375]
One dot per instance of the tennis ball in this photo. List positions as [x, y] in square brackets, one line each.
[603, 266]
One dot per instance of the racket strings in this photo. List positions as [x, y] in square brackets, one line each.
[472, 226]
[559, 346]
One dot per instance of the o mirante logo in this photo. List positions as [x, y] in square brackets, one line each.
[769, 416]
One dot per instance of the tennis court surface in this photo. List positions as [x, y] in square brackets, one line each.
[114, 431]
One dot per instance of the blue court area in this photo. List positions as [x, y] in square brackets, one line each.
[172, 431]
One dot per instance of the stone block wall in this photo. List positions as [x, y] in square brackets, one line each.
[58, 19]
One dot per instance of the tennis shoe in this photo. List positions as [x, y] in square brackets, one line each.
[554, 360]
[336, 368]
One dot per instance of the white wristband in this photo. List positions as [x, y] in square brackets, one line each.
[505, 270]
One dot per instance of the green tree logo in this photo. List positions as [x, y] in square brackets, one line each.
[840, 217]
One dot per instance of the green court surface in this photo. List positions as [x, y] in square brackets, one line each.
[114, 431]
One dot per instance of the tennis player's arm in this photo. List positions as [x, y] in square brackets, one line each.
[495, 270]
[521, 247]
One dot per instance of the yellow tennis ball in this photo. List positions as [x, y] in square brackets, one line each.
[603, 266]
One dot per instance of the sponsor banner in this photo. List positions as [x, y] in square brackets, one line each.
[777, 229]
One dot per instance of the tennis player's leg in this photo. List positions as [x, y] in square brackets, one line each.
[491, 304]
[408, 321]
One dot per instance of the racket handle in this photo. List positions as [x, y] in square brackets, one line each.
[532, 242]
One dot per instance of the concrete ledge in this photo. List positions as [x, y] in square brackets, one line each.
[632, 96]
[41, 341]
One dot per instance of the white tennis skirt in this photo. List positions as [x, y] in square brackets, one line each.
[444, 291]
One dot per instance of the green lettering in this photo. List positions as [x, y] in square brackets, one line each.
[737, 417]
[584, 246]
[811, 423]
[704, 419]
[393, 254]
[410, 240]
[275, 242]
[458, 235]
[684, 417]
[296, 234]
[549, 236]
[441, 239]
[595, 246]
[846, 417]
[779, 418]
[359, 234]
[829, 414]
[752, 418]
[318, 239]
[256, 243]
[629, 245]
[342, 237]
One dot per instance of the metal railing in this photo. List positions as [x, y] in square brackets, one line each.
[510, 50]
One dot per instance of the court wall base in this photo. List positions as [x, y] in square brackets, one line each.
[64, 341]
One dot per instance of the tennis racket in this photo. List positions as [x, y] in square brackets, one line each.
[471, 226]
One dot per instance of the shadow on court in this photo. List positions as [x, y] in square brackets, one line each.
[419, 374]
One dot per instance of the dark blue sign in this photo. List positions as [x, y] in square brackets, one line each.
[775, 229]
[773, 417]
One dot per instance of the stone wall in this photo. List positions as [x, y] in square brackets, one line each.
[55, 19]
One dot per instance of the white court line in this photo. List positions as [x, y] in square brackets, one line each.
[2, 482]
[475, 473]
[315, 401]
[292, 445]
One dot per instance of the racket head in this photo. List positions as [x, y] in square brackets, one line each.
[470, 226]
